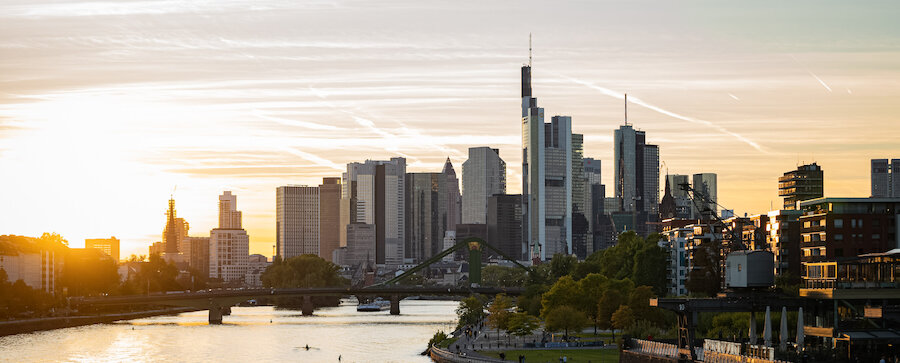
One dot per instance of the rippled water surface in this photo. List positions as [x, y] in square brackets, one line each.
[250, 334]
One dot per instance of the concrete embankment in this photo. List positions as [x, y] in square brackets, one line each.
[442, 356]
[33, 325]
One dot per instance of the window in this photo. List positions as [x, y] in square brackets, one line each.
[876, 236]
[838, 223]
[838, 237]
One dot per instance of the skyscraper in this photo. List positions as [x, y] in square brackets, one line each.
[802, 184]
[579, 225]
[423, 230]
[229, 245]
[175, 233]
[636, 176]
[229, 218]
[684, 208]
[329, 217]
[546, 178]
[504, 224]
[886, 178]
[449, 200]
[296, 221]
[484, 174]
[374, 193]
[706, 184]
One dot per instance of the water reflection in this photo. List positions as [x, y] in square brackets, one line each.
[249, 334]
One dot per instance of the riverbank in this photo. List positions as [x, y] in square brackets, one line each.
[32, 325]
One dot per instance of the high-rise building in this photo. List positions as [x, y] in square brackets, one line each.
[229, 245]
[707, 185]
[199, 254]
[229, 218]
[504, 225]
[360, 244]
[600, 228]
[546, 178]
[483, 174]
[109, 246]
[636, 177]
[802, 184]
[374, 193]
[423, 229]
[449, 200]
[175, 234]
[296, 221]
[329, 217]
[579, 225]
[886, 178]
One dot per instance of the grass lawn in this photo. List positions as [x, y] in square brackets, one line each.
[446, 342]
[591, 335]
[553, 355]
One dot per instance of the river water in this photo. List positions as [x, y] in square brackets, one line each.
[249, 334]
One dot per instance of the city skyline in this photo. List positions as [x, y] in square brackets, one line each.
[102, 116]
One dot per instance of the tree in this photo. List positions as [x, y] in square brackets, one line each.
[562, 265]
[470, 311]
[591, 288]
[565, 318]
[89, 272]
[564, 292]
[503, 276]
[302, 271]
[650, 268]
[522, 324]
[498, 312]
[623, 317]
[704, 278]
[609, 303]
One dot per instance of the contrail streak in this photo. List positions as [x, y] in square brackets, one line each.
[639, 102]
[820, 80]
[811, 73]
[315, 159]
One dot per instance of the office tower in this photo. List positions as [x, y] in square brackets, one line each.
[705, 184]
[449, 201]
[504, 224]
[296, 221]
[175, 234]
[886, 178]
[600, 229]
[360, 244]
[802, 184]
[374, 193]
[636, 177]
[329, 217]
[484, 174]
[579, 225]
[684, 208]
[229, 245]
[423, 229]
[546, 178]
[229, 218]
[199, 254]
[109, 246]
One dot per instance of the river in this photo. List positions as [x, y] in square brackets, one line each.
[249, 334]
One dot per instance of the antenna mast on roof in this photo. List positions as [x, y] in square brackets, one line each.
[529, 50]
[626, 109]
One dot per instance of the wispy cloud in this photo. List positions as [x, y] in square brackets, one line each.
[639, 102]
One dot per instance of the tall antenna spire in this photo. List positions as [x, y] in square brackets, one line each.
[626, 109]
[529, 49]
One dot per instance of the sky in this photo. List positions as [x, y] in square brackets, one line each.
[109, 107]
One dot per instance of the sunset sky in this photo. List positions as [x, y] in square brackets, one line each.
[106, 106]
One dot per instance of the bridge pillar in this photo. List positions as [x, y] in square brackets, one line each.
[395, 304]
[307, 307]
[215, 314]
